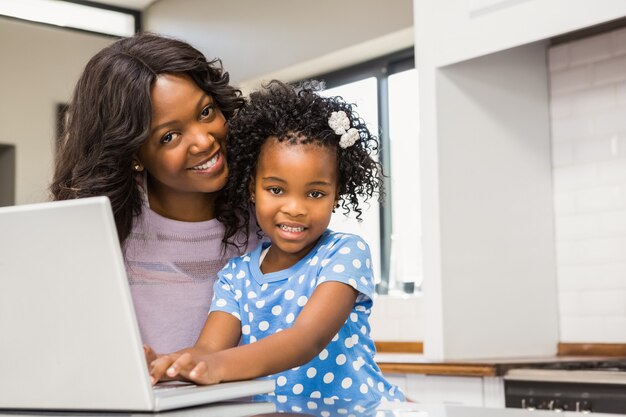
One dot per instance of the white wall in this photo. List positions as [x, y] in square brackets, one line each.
[254, 38]
[588, 106]
[398, 318]
[40, 66]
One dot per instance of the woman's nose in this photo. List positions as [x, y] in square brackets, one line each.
[201, 140]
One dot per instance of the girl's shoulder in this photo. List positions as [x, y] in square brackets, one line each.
[346, 258]
[237, 263]
[340, 242]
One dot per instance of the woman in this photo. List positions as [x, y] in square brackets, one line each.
[147, 127]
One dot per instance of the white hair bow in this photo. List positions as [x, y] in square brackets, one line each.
[340, 124]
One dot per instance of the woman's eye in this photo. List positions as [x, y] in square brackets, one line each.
[316, 194]
[207, 112]
[168, 137]
[275, 190]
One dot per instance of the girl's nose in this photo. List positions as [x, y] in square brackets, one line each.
[294, 207]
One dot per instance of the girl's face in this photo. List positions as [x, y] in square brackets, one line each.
[185, 153]
[294, 190]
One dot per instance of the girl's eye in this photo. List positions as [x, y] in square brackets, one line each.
[275, 190]
[207, 112]
[316, 194]
[168, 137]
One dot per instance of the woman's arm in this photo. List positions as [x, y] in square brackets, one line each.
[318, 322]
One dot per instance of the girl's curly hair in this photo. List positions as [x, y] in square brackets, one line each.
[298, 115]
[110, 114]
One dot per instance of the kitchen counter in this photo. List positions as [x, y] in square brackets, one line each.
[409, 363]
[383, 410]
[426, 410]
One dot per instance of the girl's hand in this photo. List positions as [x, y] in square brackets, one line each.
[186, 366]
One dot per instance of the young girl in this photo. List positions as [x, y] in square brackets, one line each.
[300, 302]
[147, 128]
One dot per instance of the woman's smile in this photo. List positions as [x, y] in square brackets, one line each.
[214, 164]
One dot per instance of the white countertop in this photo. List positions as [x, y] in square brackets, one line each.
[384, 410]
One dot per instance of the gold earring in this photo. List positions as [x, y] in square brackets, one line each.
[137, 167]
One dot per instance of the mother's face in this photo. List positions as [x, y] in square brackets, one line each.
[186, 149]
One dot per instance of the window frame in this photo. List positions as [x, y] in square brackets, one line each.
[380, 68]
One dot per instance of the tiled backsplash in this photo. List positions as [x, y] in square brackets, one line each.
[397, 318]
[588, 105]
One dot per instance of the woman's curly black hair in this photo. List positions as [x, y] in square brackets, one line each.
[298, 115]
[110, 114]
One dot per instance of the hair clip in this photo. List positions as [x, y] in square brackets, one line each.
[340, 124]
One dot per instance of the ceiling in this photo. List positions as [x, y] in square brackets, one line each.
[255, 39]
[129, 4]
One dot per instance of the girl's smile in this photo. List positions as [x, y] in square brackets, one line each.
[294, 190]
[291, 231]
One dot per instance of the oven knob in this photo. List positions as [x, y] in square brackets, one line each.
[583, 407]
[529, 404]
[557, 406]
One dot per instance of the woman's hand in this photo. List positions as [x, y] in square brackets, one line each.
[149, 353]
[184, 365]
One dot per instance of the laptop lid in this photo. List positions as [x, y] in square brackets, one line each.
[69, 337]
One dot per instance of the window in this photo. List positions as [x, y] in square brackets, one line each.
[80, 15]
[363, 92]
[385, 94]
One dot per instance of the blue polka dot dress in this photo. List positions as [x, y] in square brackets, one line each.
[268, 303]
[323, 407]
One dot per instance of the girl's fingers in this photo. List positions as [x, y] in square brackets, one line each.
[199, 374]
[181, 366]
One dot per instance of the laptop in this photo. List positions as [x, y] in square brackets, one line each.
[69, 339]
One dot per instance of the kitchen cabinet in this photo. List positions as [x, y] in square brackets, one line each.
[539, 381]
[466, 29]
[486, 391]
[486, 172]
[487, 203]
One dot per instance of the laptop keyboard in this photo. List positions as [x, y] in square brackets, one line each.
[173, 385]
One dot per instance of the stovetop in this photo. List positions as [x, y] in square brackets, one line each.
[584, 386]
[593, 372]
[618, 365]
